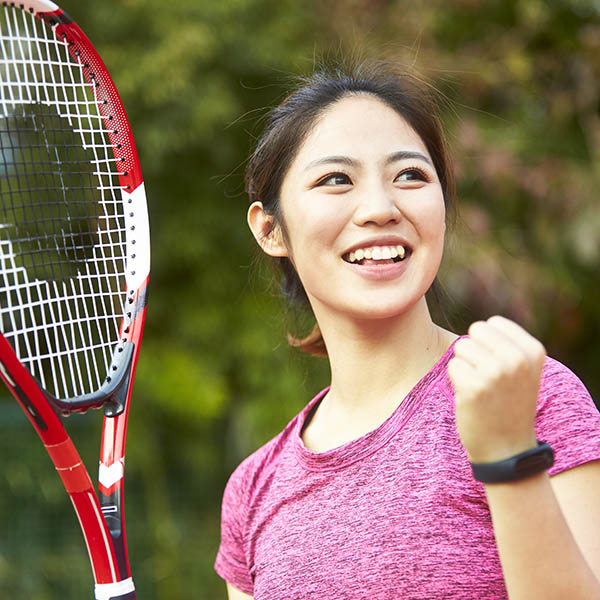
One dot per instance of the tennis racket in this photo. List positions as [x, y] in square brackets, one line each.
[74, 260]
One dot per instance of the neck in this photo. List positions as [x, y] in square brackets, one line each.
[373, 363]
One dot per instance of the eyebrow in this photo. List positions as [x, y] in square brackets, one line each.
[406, 155]
[351, 162]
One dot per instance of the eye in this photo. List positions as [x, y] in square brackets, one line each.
[334, 179]
[413, 174]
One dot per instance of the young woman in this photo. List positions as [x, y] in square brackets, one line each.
[417, 474]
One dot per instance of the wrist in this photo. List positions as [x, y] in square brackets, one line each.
[514, 468]
[496, 449]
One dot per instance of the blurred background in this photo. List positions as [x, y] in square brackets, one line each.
[215, 378]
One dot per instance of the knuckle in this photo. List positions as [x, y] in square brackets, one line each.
[535, 352]
[540, 350]
[458, 345]
[462, 347]
[477, 328]
[496, 320]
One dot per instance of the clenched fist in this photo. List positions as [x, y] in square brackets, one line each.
[496, 377]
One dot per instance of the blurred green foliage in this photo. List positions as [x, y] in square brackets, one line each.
[215, 378]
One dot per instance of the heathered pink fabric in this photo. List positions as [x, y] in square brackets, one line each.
[395, 514]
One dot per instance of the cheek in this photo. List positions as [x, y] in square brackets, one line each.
[430, 220]
[314, 223]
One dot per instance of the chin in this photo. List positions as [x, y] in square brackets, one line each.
[383, 311]
[375, 304]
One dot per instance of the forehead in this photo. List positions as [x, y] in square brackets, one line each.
[360, 126]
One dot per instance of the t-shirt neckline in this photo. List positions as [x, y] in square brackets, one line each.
[358, 449]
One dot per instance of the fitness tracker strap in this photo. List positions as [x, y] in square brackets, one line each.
[516, 467]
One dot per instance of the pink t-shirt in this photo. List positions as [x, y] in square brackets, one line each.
[395, 514]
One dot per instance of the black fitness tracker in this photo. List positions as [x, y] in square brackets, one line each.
[520, 466]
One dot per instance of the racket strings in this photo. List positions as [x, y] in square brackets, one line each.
[62, 229]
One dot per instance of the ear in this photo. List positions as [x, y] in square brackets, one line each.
[265, 231]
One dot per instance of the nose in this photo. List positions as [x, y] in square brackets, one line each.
[377, 206]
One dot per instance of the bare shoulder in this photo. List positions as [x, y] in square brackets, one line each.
[235, 594]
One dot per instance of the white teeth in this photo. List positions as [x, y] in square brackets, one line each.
[377, 253]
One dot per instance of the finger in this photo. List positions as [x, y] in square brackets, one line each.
[462, 374]
[499, 341]
[473, 352]
[491, 359]
[527, 342]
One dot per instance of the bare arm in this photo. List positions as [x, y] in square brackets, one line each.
[235, 594]
[577, 492]
[547, 531]
[548, 544]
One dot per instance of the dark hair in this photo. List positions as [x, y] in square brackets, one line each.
[289, 124]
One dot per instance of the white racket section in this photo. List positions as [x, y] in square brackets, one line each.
[40, 6]
[106, 591]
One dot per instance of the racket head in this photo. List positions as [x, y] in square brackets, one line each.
[74, 238]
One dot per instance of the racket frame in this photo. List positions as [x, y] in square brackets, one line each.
[100, 514]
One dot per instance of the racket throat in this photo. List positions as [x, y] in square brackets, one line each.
[117, 382]
[112, 395]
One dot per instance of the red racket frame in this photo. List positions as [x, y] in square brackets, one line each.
[106, 544]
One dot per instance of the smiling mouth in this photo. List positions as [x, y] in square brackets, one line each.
[377, 255]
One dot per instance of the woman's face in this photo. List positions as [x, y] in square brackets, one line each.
[364, 212]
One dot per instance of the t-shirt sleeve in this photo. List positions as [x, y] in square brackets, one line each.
[231, 563]
[567, 418]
